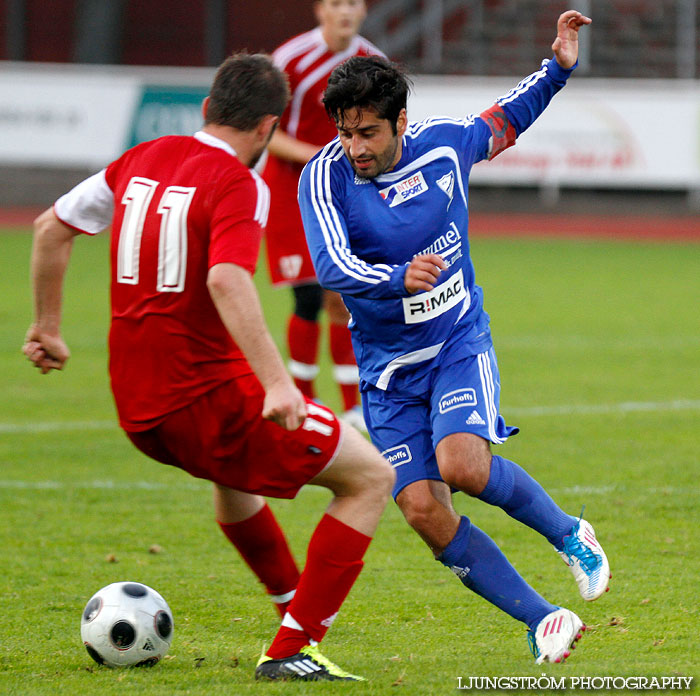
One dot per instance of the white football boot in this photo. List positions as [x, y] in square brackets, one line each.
[555, 636]
[587, 560]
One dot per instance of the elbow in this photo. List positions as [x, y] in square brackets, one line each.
[45, 223]
[223, 278]
[216, 281]
[52, 233]
[44, 219]
[327, 272]
[325, 280]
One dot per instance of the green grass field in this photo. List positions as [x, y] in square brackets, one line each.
[599, 351]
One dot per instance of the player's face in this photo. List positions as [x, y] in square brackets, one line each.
[369, 141]
[340, 20]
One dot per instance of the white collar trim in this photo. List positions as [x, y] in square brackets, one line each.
[213, 141]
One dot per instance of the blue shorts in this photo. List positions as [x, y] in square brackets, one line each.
[406, 425]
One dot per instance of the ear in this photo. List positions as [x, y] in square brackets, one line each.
[401, 123]
[266, 126]
[205, 107]
[318, 11]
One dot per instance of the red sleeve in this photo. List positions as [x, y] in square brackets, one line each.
[502, 131]
[110, 173]
[235, 230]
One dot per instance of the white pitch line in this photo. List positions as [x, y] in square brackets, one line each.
[591, 491]
[103, 485]
[56, 426]
[562, 410]
[624, 407]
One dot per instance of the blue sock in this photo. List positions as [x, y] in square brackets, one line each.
[481, 566]
[511, 488]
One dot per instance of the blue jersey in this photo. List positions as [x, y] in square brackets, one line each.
[362, 233]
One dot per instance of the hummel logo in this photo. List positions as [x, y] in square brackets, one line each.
[475, 419]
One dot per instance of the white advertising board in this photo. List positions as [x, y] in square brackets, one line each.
[617, 133]
[607, 133]
[64, 118]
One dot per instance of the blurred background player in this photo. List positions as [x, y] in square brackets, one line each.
[308, 60]
[196, 377]
[386, 216]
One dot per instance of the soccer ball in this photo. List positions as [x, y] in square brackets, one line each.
[126, 623]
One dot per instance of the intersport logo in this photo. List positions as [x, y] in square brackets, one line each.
[428, 305]
[404, 190]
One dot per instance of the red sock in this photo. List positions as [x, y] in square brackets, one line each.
[345, 370]
[262, 544]
[302, 341]
[333, 563]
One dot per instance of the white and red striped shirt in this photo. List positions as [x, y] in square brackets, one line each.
[308, 62]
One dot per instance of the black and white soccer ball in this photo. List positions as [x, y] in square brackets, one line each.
[126, 624]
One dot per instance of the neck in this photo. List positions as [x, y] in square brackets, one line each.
[240, 141]
[397, 155]
[336, 43]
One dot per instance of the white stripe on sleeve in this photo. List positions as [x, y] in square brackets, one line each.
[262, 207]
[332, 229]
[521, 87]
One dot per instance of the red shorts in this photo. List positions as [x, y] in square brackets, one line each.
[223, 438]
[288, 256]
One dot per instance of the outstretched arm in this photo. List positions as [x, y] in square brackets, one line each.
[565, 46]
[53, 242]
[515, 111]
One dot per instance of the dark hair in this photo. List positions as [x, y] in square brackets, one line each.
[245, 89]
[367, 81]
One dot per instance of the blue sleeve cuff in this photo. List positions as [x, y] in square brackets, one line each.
[558, 74]
[397, 281]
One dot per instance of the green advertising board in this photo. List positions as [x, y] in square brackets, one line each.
[166, 110]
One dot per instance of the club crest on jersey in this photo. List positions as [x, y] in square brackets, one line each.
[457, 399]
[428, 305]
[447, 184]
[404, 190]
[396, 456]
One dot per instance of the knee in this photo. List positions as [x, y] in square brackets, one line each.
[420, 511]
[466, 468]
[375, 477]
[371, 484]
[471, 478]
[382, 477]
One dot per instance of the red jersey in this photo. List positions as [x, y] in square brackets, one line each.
[178, 205]
[308, 62]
